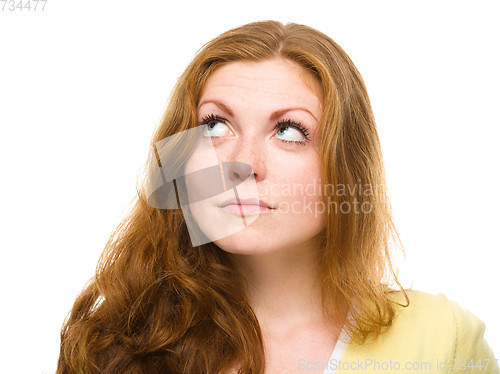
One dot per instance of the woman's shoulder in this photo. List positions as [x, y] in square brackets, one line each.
[433, 311]
[432, 328]
[438, 313]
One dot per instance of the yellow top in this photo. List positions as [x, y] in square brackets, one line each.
[432, 335]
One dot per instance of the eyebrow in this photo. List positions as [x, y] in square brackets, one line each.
[274, 116]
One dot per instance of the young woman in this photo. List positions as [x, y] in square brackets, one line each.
[260, 239]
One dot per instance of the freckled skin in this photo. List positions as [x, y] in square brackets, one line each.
[253, 91]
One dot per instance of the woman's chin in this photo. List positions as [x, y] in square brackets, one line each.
[244, 244]
[219, 225]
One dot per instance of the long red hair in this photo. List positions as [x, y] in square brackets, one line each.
[159, 305]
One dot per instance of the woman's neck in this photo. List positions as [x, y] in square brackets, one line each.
[282, 286]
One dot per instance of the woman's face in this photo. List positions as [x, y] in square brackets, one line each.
[242, 104]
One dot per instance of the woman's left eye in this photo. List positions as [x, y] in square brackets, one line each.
[295, 131]
[299, 133]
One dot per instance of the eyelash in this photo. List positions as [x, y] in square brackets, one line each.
[283, 123]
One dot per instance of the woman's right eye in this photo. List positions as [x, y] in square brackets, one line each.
[214, 126]
[216, 129]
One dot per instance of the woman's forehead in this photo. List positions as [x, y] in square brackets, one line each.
[278, 80]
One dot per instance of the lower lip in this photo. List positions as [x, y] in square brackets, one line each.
[246, 209]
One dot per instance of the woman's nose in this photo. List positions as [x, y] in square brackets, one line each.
[238, 172]
[250, 152]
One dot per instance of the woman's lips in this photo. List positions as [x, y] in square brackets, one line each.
[246, 209]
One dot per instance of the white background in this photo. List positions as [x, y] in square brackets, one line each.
[84, 83]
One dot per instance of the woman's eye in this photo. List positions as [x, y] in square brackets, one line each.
[292, 134]
[214, 130]
[287, 130]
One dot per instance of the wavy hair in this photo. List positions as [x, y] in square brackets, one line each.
[156, 304]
